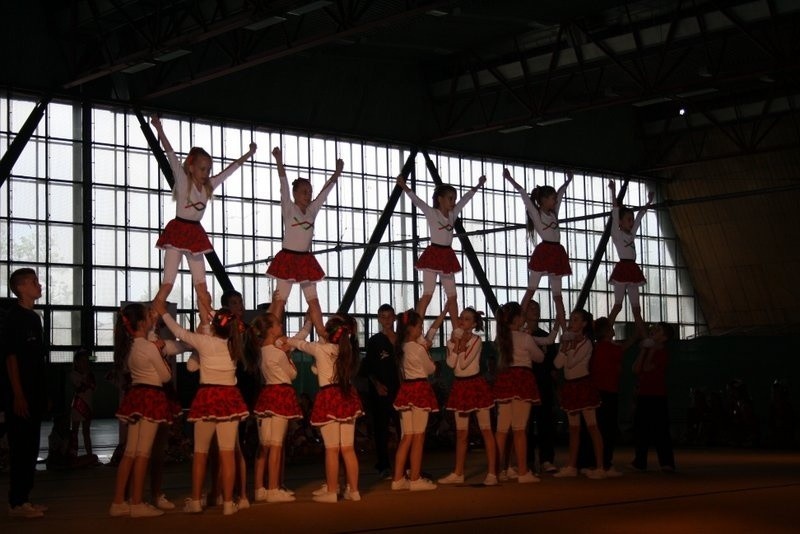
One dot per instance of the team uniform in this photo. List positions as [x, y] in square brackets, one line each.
[626, 272]
[146, 399]
[578, 392]
[470, 391]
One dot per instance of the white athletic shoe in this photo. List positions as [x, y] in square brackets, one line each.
[452, 478]
[163, 503]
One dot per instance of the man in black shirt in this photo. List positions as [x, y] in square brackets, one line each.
[541, 435]
[380, 368]
[26, 401]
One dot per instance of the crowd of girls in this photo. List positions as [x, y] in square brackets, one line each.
[589, 383]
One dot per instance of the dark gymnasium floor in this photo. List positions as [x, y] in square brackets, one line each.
[714, 490]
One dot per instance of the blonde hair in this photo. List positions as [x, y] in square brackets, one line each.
[194, 153]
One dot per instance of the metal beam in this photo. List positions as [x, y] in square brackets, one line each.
[23, 136]
[213, 260]
[466, 245]
[598, 254]
[369, 251]
[87, 313]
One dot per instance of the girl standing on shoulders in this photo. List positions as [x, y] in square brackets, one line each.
[470, 394]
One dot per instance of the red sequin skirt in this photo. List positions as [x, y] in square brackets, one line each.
[516, 383]
[280, 400]
[186, 236]
[295, 267]
[333, 404]
[579, 394]
[417, 393]
[143, 401]
[550, 258]
[470, 394]
[438, 258]
[627, 272]
[218, 403]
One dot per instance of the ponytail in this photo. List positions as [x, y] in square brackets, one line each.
[504, 339]
[128, 319]
[405, 320]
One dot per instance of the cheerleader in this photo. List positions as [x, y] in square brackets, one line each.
[276, 405]
[470, 394]
[549, 256]
[83, 385]
[184, 235]
[579, 395]
[218, 405]
[515, 389]
[295, 263]
[337, 405]
[438, 258]
[627, 276]
[415, 398]
[143, 408]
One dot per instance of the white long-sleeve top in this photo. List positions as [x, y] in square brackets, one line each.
[276, 367]
[298, 227]
[624, 241]
[324, 354]
[146, 365]
[439, 224]
[216, 365]
[545, 224]
[417, 363]
[467, 362]
[527, 348]
[574, 360]
[191, 202]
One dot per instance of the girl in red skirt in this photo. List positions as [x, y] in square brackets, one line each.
[549, 256]
[470, 394]
[579, 395]
[415, 398]
[627, 276]
[218, 405]
[184, 236]
[143, 407]
[515, 388]
[295, 263]
[337, 405]
[276, 405]
[438, 258]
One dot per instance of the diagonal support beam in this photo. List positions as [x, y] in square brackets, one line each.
[372, 245]
[23, 136]
[163, 164]
[598, 254]
[466, 245]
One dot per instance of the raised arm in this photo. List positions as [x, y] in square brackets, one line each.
[468, 196]
[562, 190]
[613, 188]
[529, 207]
[437, 323]
[328, 187]
[155, 120]
[550, 338]
[286, 199]
[639, 216]
[418, 202]
[227, 171]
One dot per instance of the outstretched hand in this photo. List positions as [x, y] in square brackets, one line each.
[481, 181]
[507, 174]
[159, 307]
[401, 181]
[570, 176]
[253, 148]
[276, 153]
[339, 165]
[650, 197]
[155, 120]
[612, 185]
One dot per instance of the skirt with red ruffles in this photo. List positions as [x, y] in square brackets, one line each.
[579, 394]
[438, 258]
[186, 236]
[218, 403]
[470, 394]
[416, 393]
[551, 258]
[516, 383]
[333, 404]
[627, 272]
[143, 401]
[295, 267]
[278, 400]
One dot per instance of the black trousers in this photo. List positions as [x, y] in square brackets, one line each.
[23, 445]
[651, 428]
[608, 422]
[383, 414]
[542, 429]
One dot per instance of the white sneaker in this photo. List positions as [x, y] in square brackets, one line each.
[322, 490]
[116, 510]
[261, 495]
[145, 509]
[190, 506]
[163, 503]
[421, 484]
[548, 467]
[229, 508]
[612, 472]
[503, 476]
[527, 478]
[452, 478]
[351, 495]
[490, 480]
[596, 474]
[329, 497]
[278, 495]
[243, 503]
[38, 507]
[402, 484]
[566, 472]
[512, 473]
[287, 490]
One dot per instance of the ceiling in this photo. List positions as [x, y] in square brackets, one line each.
[600, 84]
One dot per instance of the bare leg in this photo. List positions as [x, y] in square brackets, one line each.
[597, 441]
[163, 292]
[615, 309]
[452, 309]
[574, 441]
[123, 472]
[199, 474]
[227, 461]
[561, 314]
[502, 459]
[87, 437]
[351, 467]
[241, 471]
[157, 460]
[491, 450]
[203, 303]
[417, 444]
[139, 473]
[521, 449]
[261, 466]
[315, 311]
[275, 453]
[401, 456]
[526, 299]
[332, 469]
[639, 321]
[461, 450]
[422, 305]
